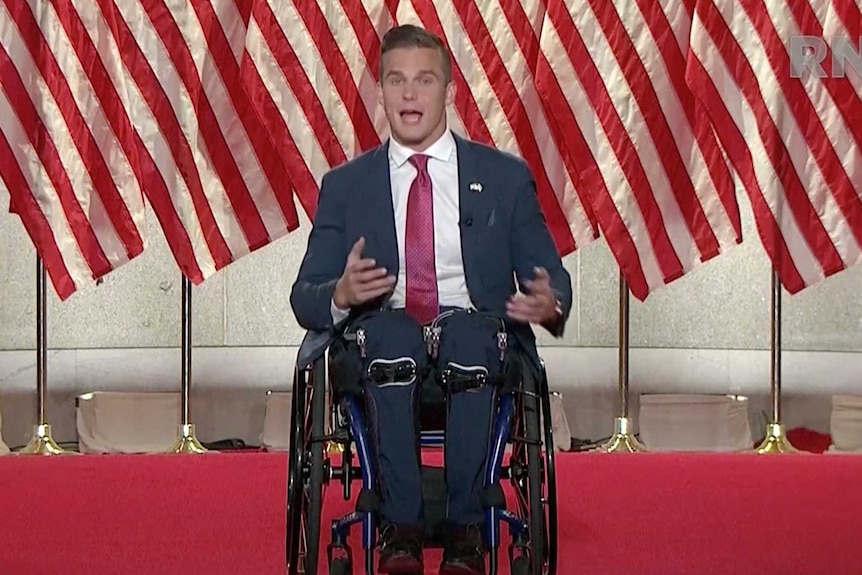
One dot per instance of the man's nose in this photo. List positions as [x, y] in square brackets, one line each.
[409, 91]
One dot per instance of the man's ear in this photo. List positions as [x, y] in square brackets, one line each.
[450, 93]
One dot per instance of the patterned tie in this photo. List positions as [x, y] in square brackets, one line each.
[420, 267]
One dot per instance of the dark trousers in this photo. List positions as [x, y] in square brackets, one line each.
[468, 341]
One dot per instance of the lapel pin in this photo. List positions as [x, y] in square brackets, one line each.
[475, 187]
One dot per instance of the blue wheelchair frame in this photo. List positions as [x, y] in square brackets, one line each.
[352, 412]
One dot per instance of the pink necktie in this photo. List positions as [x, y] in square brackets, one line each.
[420, 266]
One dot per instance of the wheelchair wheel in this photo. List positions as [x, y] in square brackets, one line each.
[306, 470]
[533, 477]
[550, 478]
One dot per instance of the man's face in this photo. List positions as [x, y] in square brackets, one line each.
[414, 94]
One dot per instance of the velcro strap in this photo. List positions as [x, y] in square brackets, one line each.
[457, 378]
[386, 371]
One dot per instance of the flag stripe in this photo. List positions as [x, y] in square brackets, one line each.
[224, 164]
[275, 48]
[503, 86]
[349, 47]
[675, 175]
[575, 206]
[112, 124]
[157, 99]
[43, 145]
[608, 118]
[809, 122]
[112, 208]
[339, 71]
[740, 156]
[141, 162]
[37, 225]
[369, 41]
[852, 19]
[465, 101]
[843, 97]
[810, 227]
[249, 146]
[306, 94]
[704, 147]
[591, 184]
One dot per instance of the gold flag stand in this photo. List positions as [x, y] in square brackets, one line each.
[42, 443]
[186, 441]
[623, 439]
[776, 438]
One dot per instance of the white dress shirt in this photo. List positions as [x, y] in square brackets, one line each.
[443, 169]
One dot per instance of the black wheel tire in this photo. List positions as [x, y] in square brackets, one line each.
[305, 476]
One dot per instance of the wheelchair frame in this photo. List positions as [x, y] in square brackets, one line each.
[530, 470]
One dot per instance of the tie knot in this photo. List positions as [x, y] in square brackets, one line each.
[420, 161]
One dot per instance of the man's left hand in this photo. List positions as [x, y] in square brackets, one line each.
[540, 306]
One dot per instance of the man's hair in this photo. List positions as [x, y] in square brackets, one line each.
[410, 36]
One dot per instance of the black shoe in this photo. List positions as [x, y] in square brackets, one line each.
[401, 549]
[463, 551]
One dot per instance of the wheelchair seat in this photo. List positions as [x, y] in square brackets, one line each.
[523, 422]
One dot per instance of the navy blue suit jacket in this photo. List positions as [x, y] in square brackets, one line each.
[503, 235]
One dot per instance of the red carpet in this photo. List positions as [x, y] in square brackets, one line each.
[642, 514]
[143, 514]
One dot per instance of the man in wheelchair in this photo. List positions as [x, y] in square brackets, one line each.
[415, 251]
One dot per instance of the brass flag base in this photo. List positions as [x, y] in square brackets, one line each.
[775, 441]
[187, 442]
[623, 440]
[43, 444]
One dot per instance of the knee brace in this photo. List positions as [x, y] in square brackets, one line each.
[391, 349]
[383, 372]
[470, 350]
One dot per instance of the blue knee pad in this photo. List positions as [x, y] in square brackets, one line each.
[391, 349]
[470, 350]
[381, 347]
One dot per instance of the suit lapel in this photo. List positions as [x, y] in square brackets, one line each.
[385, 248]
[475, 206]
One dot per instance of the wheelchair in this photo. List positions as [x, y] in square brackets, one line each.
[328, 426]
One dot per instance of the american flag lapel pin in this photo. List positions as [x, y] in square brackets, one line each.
[475, 186]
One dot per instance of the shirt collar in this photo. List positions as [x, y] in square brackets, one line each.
[441, 150]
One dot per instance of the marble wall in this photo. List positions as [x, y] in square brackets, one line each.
[724, 304]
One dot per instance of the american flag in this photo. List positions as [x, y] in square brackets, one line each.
[649, 162]
[218, 112]
[794, 142]
[107, 103]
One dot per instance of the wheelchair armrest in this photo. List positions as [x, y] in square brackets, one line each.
[313, 347]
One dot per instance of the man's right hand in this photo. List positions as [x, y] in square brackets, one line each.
[362, 280]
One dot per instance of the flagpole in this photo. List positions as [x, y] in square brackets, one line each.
[186, 441]
[623, 439]
[776, 438]
[42, 443]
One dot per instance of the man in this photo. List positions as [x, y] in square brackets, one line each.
[426, 223]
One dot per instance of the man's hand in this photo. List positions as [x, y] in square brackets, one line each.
[362, 280]
[540, 306]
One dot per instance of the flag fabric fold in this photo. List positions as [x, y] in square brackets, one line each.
[638, 118]
[794, 142]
